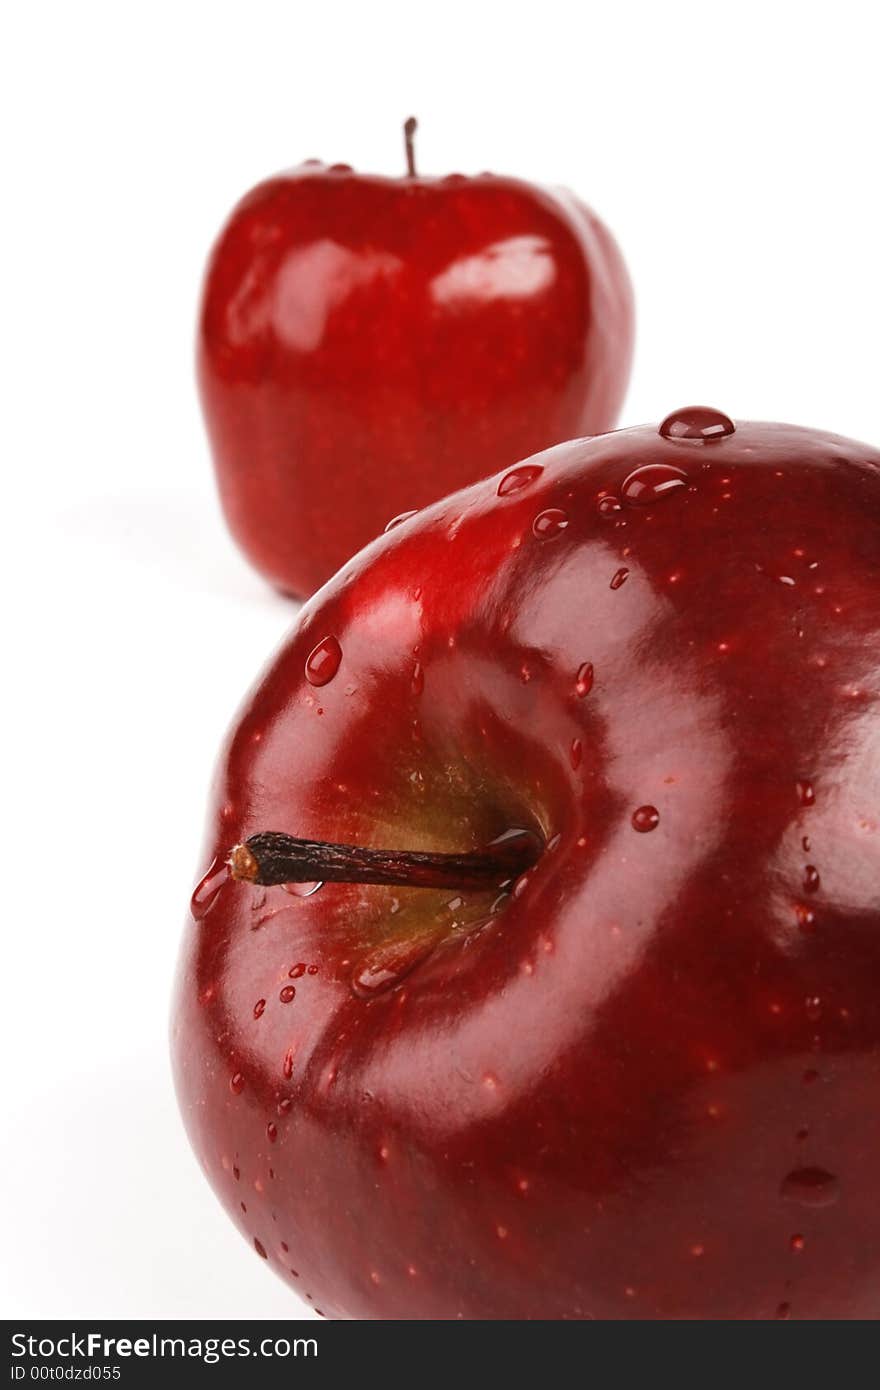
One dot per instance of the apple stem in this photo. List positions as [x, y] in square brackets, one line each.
[409, 132]
[270, 858]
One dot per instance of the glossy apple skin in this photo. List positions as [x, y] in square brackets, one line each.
[647, 1088]
[368, 344]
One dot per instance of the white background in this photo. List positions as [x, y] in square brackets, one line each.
[732, 149]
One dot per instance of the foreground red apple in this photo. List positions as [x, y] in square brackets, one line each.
[644, 1082]
[368, 344]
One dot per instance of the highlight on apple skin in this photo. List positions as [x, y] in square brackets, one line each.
[368, 344]
[632, 1072]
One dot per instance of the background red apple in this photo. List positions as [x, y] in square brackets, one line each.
[368, 344]
[643, 1084]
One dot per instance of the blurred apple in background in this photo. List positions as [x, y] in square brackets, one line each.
[369, 344]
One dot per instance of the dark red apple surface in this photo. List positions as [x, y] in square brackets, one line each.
[644, 1083]
[368, 344]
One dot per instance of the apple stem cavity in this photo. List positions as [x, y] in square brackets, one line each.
[410, 126]
[271, 858]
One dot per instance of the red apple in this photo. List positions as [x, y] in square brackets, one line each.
[368, 344]
[644, 1083]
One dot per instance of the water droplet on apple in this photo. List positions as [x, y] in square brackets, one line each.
[652, 483]
[323, 661]
[207, 889]
[608, 506]
[810, 1187]
[516, 837]
[260, 1249]
[549, 524]
[287, 1065]
[576, 753]
[519, 478]
[522, 845]
[813, 1006]
[645, 818]
[806, 793]
[297, 971]
[697, 424]
[259, 1007]
[271, 1131]
[797, 1243]
[812, 880]
[236, 1083]
[287, 994]
[619, 578]
[584, 680]
[399, 519]
[418, 679]
[302, 890]
[385, 966]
